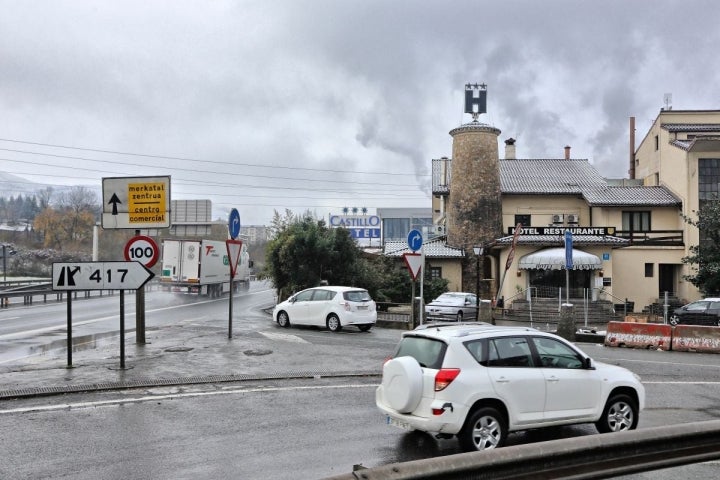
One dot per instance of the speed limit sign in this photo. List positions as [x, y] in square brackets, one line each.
[142, 249]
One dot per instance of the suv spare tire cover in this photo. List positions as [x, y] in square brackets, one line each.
[402, 383]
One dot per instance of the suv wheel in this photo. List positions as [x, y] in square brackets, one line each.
[485, 429]
[620, 414]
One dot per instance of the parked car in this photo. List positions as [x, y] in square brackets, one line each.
[457, 306]
[479, 382]
[702, 312]
[331, 307]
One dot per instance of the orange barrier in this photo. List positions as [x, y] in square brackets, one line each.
[639, 335]
[696, 338]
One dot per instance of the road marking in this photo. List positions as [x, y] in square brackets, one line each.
[128, 312]
[284, 337]
[155, 398]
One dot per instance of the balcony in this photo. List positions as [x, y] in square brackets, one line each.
[666, 238]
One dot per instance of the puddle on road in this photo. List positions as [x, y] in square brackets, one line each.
[58, 347]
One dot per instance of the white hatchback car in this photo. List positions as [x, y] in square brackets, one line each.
[331, 307]
[479, 382]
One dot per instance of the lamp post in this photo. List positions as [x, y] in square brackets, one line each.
[478, 253]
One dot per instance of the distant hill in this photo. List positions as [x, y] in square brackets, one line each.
[13, 185]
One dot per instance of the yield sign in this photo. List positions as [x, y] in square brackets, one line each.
[414, 263]
[234, 247]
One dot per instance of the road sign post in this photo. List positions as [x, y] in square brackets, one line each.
[99, 276]
[234, 249]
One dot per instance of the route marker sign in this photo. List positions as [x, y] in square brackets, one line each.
[234, 223]
[100, 276]
[142, 249]
[136, 202]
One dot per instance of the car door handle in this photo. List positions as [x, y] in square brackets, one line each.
[553, 379]
[502, 380]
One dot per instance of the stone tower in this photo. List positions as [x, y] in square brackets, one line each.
[474, 210]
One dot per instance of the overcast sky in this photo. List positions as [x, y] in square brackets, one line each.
[307, 104]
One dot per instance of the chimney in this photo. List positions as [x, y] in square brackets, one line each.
[510, 149]
[567, 152]
[631, 171]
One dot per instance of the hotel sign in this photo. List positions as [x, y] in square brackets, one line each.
[562, 230]
[360, 226]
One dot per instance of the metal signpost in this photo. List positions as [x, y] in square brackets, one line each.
[144, 250]
[568, 263]
[99, 276]
[234, 250]
[415, 243]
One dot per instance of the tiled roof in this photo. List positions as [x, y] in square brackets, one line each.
[533, 176]
[578, 240]
[688, 144]
[432, 248]
[565, 177]
[631, 196]
[691, 127]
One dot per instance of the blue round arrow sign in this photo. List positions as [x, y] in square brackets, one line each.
[415, 240]
[234, 223]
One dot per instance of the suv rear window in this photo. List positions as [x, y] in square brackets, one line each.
[357, 296]
[428, 352]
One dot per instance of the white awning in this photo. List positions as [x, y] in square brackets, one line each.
[554, 259]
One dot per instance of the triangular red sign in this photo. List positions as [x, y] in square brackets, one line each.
[414, 263]
[234, 247]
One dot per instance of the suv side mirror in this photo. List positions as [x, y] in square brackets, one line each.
[588, 364]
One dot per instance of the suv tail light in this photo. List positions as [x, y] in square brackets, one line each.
[444, 377]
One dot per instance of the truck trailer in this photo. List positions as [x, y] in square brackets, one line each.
[201, 267]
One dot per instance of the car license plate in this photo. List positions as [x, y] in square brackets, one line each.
[362, 307]
[397, 423]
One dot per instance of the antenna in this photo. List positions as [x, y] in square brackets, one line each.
[667, 98]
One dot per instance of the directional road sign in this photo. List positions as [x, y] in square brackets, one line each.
[136, 202]
[234, 223]
[415, 240]
[143, 249]
[99, 276]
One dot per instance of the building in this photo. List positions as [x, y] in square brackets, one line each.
[628, 236]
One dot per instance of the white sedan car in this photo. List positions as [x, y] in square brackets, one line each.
[331, 307]
[457, 306]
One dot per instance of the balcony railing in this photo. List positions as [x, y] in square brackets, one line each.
[654, 237]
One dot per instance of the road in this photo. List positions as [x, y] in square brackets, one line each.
[288, 429]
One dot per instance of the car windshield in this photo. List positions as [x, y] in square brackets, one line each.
[357, 296]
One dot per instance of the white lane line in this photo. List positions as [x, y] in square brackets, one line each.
[284, 337]
[155, 398]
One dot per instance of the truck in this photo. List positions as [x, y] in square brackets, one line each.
[202, 267]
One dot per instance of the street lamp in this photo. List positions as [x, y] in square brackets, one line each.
[478, 253]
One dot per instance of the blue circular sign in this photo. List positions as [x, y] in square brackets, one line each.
[234, 223]
[415, 240]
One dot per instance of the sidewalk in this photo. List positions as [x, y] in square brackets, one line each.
[191, 353]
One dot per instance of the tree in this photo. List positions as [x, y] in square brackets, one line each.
[705, 257]
[305, 252]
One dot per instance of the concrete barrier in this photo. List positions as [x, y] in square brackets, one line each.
[696, 338]
[639, 335]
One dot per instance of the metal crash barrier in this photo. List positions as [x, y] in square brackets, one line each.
[593, 456]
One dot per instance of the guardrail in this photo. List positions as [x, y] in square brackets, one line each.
[594, 456]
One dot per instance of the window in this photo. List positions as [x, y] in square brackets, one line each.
[523, 220]
[435, 273]
[649, 269]
[708, 178]
[555, 354]
[428, 352]
[657, 142]
[304, 296]
[636, 221]
[323, 295]
[509, 352]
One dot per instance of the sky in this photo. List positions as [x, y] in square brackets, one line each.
[321, 105]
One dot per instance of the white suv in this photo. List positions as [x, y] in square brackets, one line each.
[479, 382]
